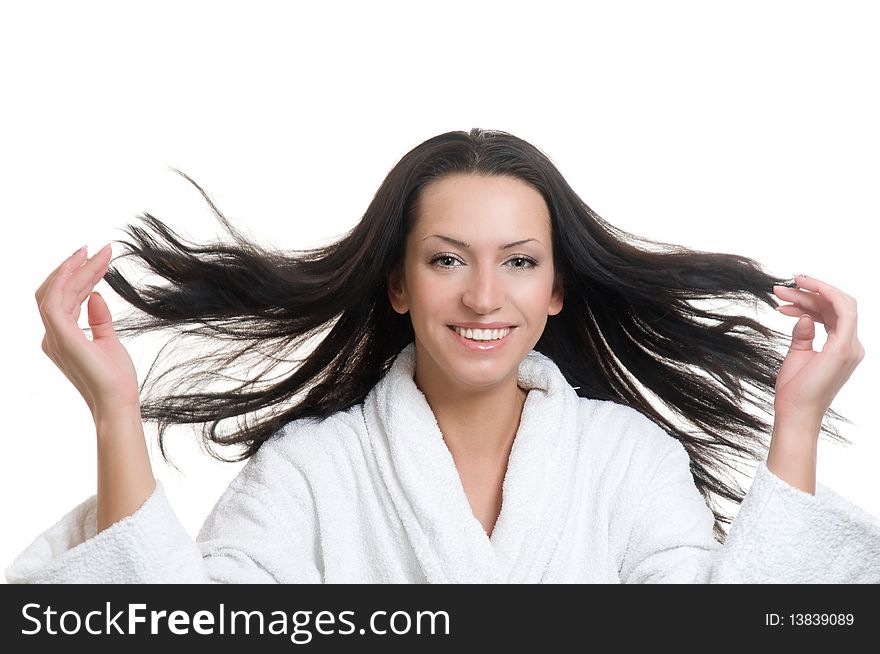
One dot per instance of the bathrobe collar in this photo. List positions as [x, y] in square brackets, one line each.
[426, 490]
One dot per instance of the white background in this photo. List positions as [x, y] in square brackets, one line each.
[746, 127]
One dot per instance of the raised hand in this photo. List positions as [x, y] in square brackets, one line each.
[101, 368]
[808, 381]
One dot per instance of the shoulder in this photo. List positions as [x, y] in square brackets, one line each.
[619, 437]
[306, 450]
[315, 433]
[627, 458]
[309, 439]
[615, 423]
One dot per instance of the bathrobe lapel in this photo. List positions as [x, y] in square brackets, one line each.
[420, 475]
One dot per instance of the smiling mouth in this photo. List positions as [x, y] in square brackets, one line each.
[506, 332]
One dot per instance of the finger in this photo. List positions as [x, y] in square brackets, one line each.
[100, 319]
[63, 269]
[80, 282]
[842, 333]
[811, 302]
[62, 301]
[79, 275]
[796, 311]
[807, 282]
[803, 334]
[66, 265]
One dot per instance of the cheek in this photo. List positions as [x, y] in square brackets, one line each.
[532, 291]
[535, 300]
[425, 283]
[537, 306]
[427, 292]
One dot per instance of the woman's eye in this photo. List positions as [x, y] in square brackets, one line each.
[531, 264]
[444, 261]
[445, 258]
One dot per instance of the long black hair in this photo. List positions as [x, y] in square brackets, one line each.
[630, 324]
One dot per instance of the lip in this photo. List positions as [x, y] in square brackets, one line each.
[482, 346]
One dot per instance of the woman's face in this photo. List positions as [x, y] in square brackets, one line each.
[476, 281]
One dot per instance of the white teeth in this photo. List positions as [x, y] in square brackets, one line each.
[483, 334]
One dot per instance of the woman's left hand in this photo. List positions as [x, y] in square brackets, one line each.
[808, 381]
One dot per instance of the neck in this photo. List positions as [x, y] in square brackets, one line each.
[477, 426]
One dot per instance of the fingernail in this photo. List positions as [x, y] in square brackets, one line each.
[78, 251]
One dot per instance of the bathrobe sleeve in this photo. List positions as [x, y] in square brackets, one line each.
[254, 534]
[780, 534]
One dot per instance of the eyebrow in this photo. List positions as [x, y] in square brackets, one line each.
[467, 246]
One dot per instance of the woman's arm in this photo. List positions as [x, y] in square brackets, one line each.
[807, 380]
[103, 373]
[788, 529]
[793, 453]
[125, 476]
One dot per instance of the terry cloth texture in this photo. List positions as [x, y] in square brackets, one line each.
[594, 492]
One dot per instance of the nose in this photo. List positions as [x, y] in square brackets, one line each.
[484, 292]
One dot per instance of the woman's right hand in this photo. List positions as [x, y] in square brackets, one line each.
[101, 368]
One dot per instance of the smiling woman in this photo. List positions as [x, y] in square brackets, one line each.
[477, 311]
[468, 413]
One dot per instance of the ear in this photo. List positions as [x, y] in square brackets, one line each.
[396, 292]
[556, 299]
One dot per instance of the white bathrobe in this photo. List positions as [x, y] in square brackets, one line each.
[594, 492]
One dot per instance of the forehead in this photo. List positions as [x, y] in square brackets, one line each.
[468, 202]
